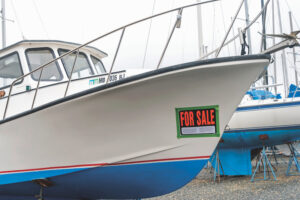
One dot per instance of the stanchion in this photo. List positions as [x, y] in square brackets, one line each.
[264, 160]
[293, 159]
[217, 166]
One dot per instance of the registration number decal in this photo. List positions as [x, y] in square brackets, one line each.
[112, 78]
[200, 121]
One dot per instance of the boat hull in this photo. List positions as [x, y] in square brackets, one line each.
[120, 140]
[254, 126]
[117, 182]
[279, 121]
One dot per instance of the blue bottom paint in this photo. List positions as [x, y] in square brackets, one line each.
[28, 176]
[235, 150]
[251, 139]
[235, 161]
[115, 182]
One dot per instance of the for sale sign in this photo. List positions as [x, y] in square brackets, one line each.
[202, 121]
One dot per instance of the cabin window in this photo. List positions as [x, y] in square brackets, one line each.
[10, 69]
[39, 57]
[98, 65]
[82, 67]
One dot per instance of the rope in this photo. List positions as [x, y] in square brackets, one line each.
[292, 14]
[234, 42]
[244, 45]
[146, 48]
[40, 18]
[263, 44]
[214, 27]
[223, 18]
[236, 36]
[17, 19]
[170, 22]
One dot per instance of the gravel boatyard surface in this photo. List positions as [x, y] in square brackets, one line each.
[203, 187]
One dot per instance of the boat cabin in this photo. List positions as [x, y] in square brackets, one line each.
[25, 56]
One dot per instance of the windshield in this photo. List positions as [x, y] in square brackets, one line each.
[39, 57]
[10, 69]
[98, 65]
[82, 67]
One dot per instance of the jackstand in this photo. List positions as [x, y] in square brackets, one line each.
[43, 183]
[273, 149]
[293, 158]
[263, 160]
[217, 166]
[40, 195]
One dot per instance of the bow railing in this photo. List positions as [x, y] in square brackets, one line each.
[77, 49]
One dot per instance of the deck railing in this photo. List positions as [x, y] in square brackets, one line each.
[177, 24]
[77, 49]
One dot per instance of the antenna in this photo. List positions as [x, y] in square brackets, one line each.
[4, 19]
[3, 24]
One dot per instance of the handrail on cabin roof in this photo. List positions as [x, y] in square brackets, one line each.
[50, 41]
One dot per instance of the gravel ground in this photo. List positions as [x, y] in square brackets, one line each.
[203, 187]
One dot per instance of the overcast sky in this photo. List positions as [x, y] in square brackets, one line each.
[80, 21]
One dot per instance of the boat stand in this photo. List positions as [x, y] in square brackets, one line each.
[43, 183]
[263, 160]
[293, 159]
[274, 153]
[40, 196]
[217, 166]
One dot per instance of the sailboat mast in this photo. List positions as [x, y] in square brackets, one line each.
[283, 56]
[273, 39]
[247, 24]
[264, 42]
[263, 18]
[294, 53]
[200, 30]
[3, 24]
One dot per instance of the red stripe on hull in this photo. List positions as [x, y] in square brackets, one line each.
[104, 164]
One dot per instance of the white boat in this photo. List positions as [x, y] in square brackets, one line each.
[277, 118]
[140, 136]
[254, 125]
[88, 73]
[264, 118]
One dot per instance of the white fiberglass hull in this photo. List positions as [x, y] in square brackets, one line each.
[132, 121]
[279, 120]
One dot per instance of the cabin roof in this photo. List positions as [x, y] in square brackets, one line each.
[70, 45]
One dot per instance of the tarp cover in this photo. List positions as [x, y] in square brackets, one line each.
[293, 89]
[262, 94]
[234, 162]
